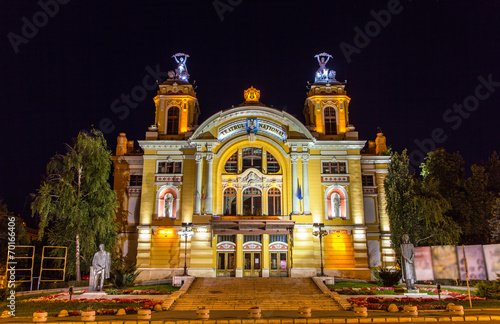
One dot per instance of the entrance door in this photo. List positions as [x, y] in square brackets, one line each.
[278, 264]
[225, 264]
[252, 263]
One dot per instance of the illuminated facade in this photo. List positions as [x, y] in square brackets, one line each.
[251, 184]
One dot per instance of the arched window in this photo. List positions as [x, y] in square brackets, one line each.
[274, 202]
[272, 164]
[230, 201]
[173, 121]
[252, 158]
[231, 165]
[330, 121]
[252, 202]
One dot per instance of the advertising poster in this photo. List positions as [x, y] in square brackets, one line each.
[492, 258]
[444, 262]
[423, 263]
[475, 262]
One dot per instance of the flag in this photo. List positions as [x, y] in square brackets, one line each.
[300, 192]
[203, 193]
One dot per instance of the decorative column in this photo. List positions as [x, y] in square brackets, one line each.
[265, 255]
[239, 255]
[295, 199]
[208, 197]
[305, 184]
[199, 175]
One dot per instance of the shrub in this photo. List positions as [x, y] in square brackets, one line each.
[387, 277]
[489, 290]
[122, 274]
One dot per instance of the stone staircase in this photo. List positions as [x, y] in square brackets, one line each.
[243, 293]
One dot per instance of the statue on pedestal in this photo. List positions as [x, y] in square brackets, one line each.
[181, 71]
[323, 74]
[101, 266]
[407, 263]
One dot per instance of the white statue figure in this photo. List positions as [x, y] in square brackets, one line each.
[169, 202]
[336, 204]
[101, 265]
[181, 71]
[407, 262]
[322, 74]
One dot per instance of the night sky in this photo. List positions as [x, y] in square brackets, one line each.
[409, 65]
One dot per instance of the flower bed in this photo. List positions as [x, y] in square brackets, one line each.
[109, 306]
[382, 303]
[136, 292]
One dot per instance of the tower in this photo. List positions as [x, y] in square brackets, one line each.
[326, 109]
[177, 108]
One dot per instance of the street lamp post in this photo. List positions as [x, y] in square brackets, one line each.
[186, 232]
[319, 231]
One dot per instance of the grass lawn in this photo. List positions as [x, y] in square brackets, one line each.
[167, 288]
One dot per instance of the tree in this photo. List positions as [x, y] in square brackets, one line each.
[75, 201]
[415, 207]
[471, 200]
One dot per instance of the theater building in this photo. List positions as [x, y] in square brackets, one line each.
[252, 191]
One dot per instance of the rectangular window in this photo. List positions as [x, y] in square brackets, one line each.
[334, 168]
[135, 180]
[367, 180]
[226, 238]
[169, 167]
[252, 238]
[277, 238]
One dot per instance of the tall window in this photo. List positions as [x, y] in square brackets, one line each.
[330, 121]
[334, 168]
[252, 158]
[252, 202]
[169, 167]
[274, 202]
[135, 180]
[173, 121]
[272, 164]
[230, 201]
[231, 165]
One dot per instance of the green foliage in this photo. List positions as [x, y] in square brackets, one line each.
[387, 277]
[122, 274]
[75, 201]
[489, 290]
[416, 207]
[471, 200]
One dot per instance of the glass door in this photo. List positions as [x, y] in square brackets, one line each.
[279, 266]
[252, 262]
[225, 264]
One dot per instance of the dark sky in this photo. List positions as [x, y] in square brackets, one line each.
[405, 76]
